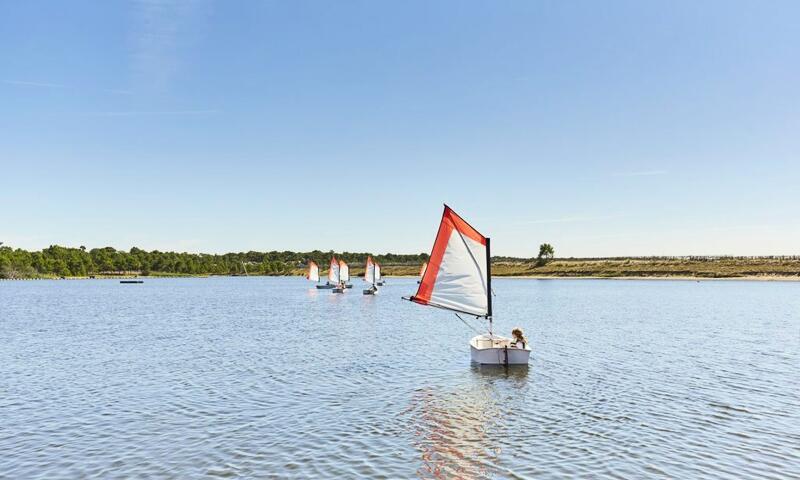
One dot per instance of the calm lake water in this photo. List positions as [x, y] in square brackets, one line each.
[267, 378]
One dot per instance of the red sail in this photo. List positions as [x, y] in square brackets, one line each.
[457, 276]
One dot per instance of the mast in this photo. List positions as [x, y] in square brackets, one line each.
[489, 283]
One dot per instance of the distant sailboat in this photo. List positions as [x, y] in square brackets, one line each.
[458, 278]
[344, 274]
[370, 276]
[313, 271]
[344, 277]
[422, 271]
[379, 281]
[333, 275]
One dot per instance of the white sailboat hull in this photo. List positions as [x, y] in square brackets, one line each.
[495, 350]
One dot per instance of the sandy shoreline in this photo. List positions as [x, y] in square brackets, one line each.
[751, 278]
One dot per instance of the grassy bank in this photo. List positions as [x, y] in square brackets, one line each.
[690, 267]
[698, 267]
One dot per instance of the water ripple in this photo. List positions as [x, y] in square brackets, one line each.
[266, 378]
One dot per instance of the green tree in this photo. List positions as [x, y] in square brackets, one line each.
[546, 253]
[103, 258]
[58, 260]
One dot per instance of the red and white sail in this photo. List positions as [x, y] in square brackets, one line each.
[333, 271]
[344, 272]
[313, 272]
[369, 272]
[457, 276]
[422, 269]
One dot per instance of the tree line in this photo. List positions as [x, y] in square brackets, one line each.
[79, 262]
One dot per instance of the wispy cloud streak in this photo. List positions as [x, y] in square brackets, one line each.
[25, 83]
[646, 173]
[137, 113]
[570, 219]
[161, 29]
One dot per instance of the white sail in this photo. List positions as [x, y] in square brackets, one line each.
[333, 272]
[377, 272]
[344, 272]
[369, 272]
[313, 272]
[457, 276]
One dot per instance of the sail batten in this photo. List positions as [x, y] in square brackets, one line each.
[457, 274]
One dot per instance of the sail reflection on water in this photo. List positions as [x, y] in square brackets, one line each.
[460, 432]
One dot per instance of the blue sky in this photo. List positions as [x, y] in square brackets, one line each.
[604, 128]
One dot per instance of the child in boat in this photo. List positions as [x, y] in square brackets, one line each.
[519, 340]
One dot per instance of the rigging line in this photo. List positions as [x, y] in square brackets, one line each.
[467, 324]
[483, 283]
[436, 305]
